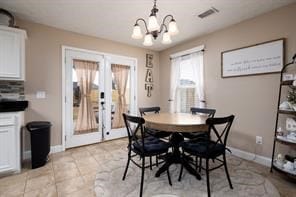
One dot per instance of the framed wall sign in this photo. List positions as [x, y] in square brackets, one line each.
[262, 58]
[149, 76]
[149, 60]
[149, 88]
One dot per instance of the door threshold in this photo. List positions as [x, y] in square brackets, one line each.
[96, 143]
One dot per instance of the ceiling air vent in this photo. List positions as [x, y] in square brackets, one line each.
[207, 13]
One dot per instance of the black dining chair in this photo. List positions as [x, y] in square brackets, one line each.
[209, 149]
[142, 145]
[203, 111]
[153, 132]
[204, 134]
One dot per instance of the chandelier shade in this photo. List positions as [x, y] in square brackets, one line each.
[166, 38]
[153, 24]
[148, 40]
[137, 33]
[173, 28]
[153, 29]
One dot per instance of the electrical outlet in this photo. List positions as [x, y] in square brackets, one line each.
[40, 94]
[259, 140]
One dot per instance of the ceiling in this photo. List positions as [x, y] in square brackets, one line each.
[114, 19]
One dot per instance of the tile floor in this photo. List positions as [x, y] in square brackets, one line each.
[72, 173]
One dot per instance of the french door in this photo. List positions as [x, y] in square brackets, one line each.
[98, 89]
[120, 94]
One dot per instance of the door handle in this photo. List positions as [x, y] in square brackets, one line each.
[103, 105]
[170, 100]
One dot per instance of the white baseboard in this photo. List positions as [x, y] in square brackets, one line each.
[56, 149]
[53, 149]
[251, 156]
[26, 155]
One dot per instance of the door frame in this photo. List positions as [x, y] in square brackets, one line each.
[63, 99]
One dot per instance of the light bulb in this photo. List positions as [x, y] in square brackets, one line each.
[173, 28]
[166, 38]
[153, 24]
[148, 40]
[137, 34]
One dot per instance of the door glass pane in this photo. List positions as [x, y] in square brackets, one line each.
[120, 94]
[85, 96]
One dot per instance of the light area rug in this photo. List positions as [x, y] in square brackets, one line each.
[246, 179]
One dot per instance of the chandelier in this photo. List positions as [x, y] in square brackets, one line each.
[153, 29]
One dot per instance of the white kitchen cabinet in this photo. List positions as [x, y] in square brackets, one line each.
[12, 53]
[10, 129]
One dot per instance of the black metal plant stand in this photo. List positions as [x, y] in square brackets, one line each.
[282, 139]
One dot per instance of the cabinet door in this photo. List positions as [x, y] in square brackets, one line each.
[10, 54]
[7, 149]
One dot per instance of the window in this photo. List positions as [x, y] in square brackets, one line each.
[187, 86]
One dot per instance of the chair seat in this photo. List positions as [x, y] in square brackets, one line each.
[157, 133]
[194, 135]
[152, 146]
[206, 149]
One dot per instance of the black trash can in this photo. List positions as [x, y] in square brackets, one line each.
[40, 142]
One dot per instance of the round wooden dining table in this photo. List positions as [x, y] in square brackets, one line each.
[176, 124]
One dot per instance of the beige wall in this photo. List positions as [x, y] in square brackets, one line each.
[252, 99]
[44, 70]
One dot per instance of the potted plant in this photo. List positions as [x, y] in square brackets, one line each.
[291, 97]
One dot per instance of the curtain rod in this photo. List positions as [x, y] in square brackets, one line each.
[188, 52]
[80, 60]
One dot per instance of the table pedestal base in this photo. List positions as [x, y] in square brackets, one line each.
[176, 157]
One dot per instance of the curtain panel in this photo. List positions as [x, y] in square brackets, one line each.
[180, 99]
[175, 78]
[86, 72]
[196, 60]
[121, 73]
